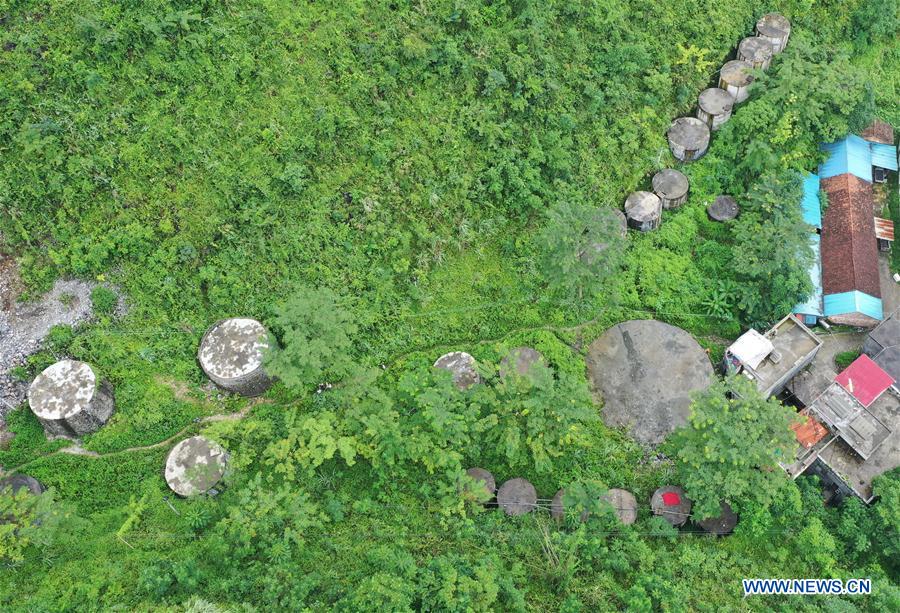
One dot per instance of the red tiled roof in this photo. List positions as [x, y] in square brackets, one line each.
[884, 229]
[810, 432]
[849, 249]
[879, 132]
[865, 380]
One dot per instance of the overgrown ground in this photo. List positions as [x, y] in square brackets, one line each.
[211, 157]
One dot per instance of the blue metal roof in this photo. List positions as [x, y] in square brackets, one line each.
[813, 304]
[812, 208]
[853, 302]
[851, 154]
[884, 156]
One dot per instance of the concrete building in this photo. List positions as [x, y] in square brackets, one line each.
[772, 359]
[883, 346]
[849, 435]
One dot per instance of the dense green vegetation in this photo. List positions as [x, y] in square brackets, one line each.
[381, 182]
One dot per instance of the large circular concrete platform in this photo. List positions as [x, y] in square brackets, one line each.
[646, 371]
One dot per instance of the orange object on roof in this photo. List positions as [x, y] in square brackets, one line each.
[810, 432]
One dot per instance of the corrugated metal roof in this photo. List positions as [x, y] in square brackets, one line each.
[865, 380]
[853, 302]
[884, 229]
[848, 155]
[813, 305]
[812, 208]
[884, 156]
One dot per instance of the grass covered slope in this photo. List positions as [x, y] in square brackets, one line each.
[212, 158]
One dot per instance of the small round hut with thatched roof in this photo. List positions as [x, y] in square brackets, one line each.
[714, 106]
[643, 210]
[775, 28]
[623, 504]
[462, 366]
[520, 361]
[231, 355]
[195, 466]
[68, 399]
[688, 138]
[517, 497]
[672, 188]
[18, 482]
[484, 480]
[723, 523]
[758, 51]
[736, 78]
[723, 208]
[672, 504]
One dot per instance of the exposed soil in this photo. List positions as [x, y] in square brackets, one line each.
[24, 325]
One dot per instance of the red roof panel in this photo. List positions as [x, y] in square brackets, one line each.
[865, 380]
[884, 229]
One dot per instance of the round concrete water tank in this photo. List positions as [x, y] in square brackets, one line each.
[775, 28]
[195, 466]
[672, 188]
[672, 504]
[643, 210]
[462, 365]
[714, 106]
[688, 138]
[736, 78]
[517, 497]
[231, 355]
[758, 51]
[69, 401]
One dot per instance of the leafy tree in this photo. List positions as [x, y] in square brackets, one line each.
[731, 447]
[534, 419]
[581, 246]
[772, 253]
[452, 583]
[27, 520]
[315, 333]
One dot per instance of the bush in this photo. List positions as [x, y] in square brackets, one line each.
[104, 300]
[846, 358]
